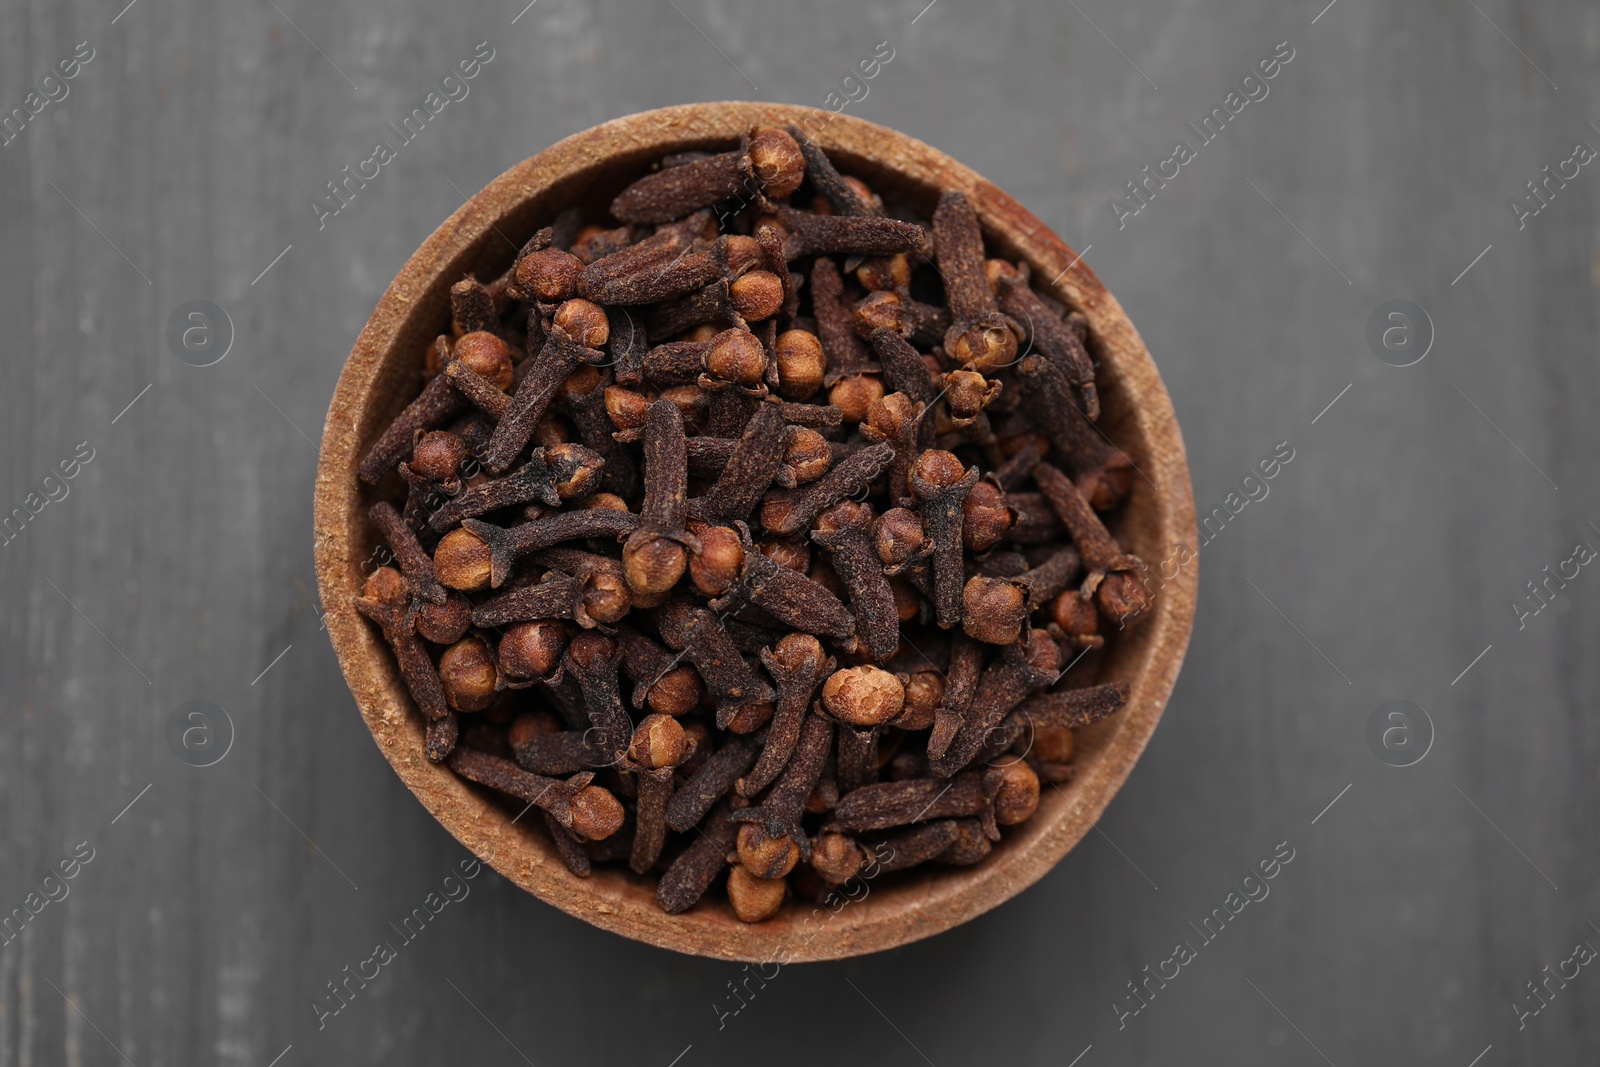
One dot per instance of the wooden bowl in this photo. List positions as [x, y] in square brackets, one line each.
[587, 169]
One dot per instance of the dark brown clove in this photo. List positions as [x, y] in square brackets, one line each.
[749, 470]
[700, 636]
[888, 805]
[435, 405]
[592, 660]
[960, 686]
[1075, 707]
[793, 511]
[386, 602]
[939, 486]
[659, 745]
[550, 476]
[979, 335]
[605, 597]
[845, 530]
[585, 406]
[1045, 330]
[710, 783]
[647, 273]
[656, 554]
[684, 882]
[779, 812]
[588, 811]
[415, 563]
[564, 752]
[767, 161]
[511, 435]
[1111, 580]
[828, 181]
[797, 665]
[785, 594]
[806, 234]
[659, 679]
[1076, 444]
[917, 845]
[558, 596]
[1030, 664]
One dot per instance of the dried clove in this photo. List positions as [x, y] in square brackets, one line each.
[1076, 707]
[940, 486]
[845, 531]
[684, 882]
[710, 783]
[657, 553]
[780, 811]
[588, 811]
[887, 805]
[978, 335]
[1112, 580]
[797, 665]
[793, 511]
[1028, 665]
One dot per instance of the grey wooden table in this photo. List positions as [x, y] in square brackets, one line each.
[209, 907]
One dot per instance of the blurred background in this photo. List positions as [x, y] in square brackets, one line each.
[1386, 265]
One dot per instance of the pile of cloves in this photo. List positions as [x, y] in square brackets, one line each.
[753, 531]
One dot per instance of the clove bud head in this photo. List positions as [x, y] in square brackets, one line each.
[533, 649]
[653, 565]
[789, 551]
[924, 694]
[807, 456]
[658, 742]
[719, 562]
[795, 651]
[985, 517]
[779, 165]
[469, 676]
[899, 537]
[487, 356]
[801, 364]
[757, 295]
[993, 610]
[606, 596]
[387, 586]
[884, 272]
[736, 356]
[438, 455]
[1018, 795]
[764, 855]
[549, 275]
[754, 899]
[985, 346]
[935, 469]
[461, 561]
[863, 696]
[748, 718]
[836, 857]
[677, 692]
[877, 310]
[853, 395]
[596, 814]
[583, 322]
[1123, 597]
[887, 415]
[447, 623]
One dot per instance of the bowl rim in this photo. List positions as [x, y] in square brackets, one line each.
[616, 900]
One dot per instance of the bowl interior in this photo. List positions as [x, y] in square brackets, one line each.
[384, 372]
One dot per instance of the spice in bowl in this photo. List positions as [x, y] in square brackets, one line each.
[747, 532]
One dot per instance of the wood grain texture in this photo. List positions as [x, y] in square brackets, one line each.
[206, 925]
